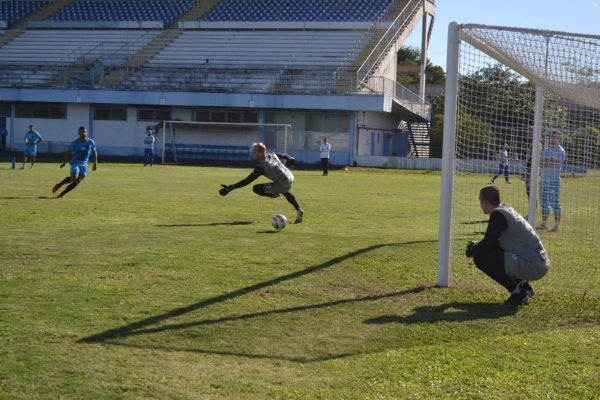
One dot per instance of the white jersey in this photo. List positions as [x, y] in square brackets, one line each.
[503, 157]
[325, 149]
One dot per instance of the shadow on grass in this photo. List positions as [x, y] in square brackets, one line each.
[267, 232]
[232, 223]
[451, 312]
[28, 197]
[141, 326]
[483, 221]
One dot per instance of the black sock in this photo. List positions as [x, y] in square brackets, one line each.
[292, 200]
[72, 186]
[65, 181]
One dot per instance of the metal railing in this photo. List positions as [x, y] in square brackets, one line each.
[387, 40]
[407, 98]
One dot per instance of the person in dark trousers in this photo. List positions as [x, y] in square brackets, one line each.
[3, 135]
[269, 165]
[511, 252]
[325, 150]
[149, 148]
[502, 164]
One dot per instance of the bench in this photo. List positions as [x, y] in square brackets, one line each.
[209, 152]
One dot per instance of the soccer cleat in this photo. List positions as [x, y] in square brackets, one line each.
[508, 183]
[60, 196]
[555, 228]
[525, 286]
[542, 227]
[55, 188]
[299, 216]
[516, 300]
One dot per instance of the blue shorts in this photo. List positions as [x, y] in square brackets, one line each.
[550, 196]
[79, 170]
[30, 151]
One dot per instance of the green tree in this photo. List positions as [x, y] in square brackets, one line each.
[412, 56]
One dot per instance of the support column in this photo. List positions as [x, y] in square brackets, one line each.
[535, 153]
[13, 113]
[450, 108]
[422, 67]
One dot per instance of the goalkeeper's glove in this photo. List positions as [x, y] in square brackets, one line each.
[469, 250]
[292, 162]
[225, 189]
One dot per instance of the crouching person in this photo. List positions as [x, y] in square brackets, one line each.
[511, 252]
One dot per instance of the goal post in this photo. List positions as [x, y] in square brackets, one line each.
[219, 141]
[510, 93]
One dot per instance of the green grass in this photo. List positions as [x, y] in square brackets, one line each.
[144, 283]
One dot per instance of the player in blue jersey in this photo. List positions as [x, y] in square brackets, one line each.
[32, 139]
[149, 148]
[79, 153]
[551, 162]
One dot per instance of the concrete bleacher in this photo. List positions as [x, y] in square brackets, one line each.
[299, 10]
[13, 11]
[32, 58]
[247, 60]
[123, 10]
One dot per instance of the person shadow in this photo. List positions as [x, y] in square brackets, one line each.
[449, 312]
[227, 223]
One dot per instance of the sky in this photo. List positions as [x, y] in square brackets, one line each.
[581, 16]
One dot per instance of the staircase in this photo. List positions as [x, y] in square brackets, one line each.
[419, 135]
[159, 42]
[41, 14]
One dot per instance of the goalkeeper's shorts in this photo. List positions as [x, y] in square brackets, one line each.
[275, 188]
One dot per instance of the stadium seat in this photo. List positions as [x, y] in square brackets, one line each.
[298, 10]
[216, 60]
[56, 49]
[13, 11]
[123, 10]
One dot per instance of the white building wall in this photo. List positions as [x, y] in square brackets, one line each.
[57, 133]
[372, 126]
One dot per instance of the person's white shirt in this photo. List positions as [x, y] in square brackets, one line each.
[325, 149]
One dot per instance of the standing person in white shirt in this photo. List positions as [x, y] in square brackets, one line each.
[325, 149]
[502, 164]
[149, 148]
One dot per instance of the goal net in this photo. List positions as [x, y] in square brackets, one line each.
[214, 141]
[511, 95]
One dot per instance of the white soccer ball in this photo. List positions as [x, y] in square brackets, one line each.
[279, 221]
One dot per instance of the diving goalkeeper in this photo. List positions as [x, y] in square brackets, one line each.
[269, 165]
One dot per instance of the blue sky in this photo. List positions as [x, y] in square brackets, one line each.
[582, 16]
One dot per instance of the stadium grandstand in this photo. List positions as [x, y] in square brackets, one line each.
[325, 67]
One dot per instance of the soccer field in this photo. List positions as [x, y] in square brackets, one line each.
[145, 283]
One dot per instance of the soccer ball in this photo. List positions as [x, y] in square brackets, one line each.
[279, 221]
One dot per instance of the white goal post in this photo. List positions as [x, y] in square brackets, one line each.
[219, 140]
[509, 93]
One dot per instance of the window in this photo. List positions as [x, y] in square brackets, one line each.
[218, 116]
[4, 110]
[233, 116]
[251, 117]
[108, 113]
[154, 114]
[203, 116]
[42, 110]
[314, 123]
[331, 123]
